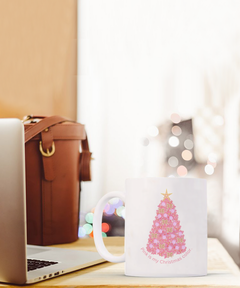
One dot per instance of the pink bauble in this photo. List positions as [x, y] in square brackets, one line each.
[159, 216]
[180, 234]
[164, 237]
[160, 231]
[163, 204]
[151, 246]
[157, 224]
[183, 247]
[174, 223]
[157, 251]
[174, 241]
[155, 241]
[177, 248]
[171, 218]
[172, 210]
[169, 248]
[165, 215]
[172, 235]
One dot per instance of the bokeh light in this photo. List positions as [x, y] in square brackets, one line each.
[88, 228]
[176, 130]
[173, 161]
[110, 210]
[114, 201]
[121, 211]
[209, 170]
[153, 131]
[182, 171]
[89, 217]
[187, 155]
[175, 118]
[188, 144]
[105, 227]
[81, 232]
[173, 141]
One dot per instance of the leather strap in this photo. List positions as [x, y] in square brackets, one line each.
[46, 122]
[43, 124]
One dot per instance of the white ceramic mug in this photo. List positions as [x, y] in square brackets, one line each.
[165, 227]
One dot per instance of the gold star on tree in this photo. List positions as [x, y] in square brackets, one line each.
[166, 195]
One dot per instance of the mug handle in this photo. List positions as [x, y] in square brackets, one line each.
[97, 227]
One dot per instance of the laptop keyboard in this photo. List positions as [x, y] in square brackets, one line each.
[34, 264]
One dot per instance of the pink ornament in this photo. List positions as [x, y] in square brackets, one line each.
[171, 218]
[157, 224]
[157, 251]
[160, 231]
[180, 234]
[169, 248]
[151, 246]
[183, 247]
[163, 204]
[172, 210]
[165, 215]
[164, 237]
[155, 241]
[177, 248]
[174, 241]
[159, 216]
[172, 236]
[174, 223]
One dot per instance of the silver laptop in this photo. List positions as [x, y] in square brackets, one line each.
[21, 263]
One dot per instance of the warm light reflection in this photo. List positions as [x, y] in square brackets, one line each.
[209, 170]
[173, 141]
[182, 171]
[173, 161]
[176, 130]
[187, 155]
[188, 144]
[175, 118]
[89, 217]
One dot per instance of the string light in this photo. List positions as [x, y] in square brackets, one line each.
[88, 228]
[173, 161]
[187, 155]
[81, 232]
[105, 227]
[188, 144]
[121, 211]
[175, 118]
[176, 130]
[89, 217]
[173, 141]
[209, 170]
[182, 171]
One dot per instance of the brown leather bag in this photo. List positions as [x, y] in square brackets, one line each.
[54, 169]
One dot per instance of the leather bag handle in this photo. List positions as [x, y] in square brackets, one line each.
[85, 155]
[42, 125]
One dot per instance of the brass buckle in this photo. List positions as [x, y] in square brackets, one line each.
[26, 118]
[48, 153]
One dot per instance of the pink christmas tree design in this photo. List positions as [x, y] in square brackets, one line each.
[166, 237]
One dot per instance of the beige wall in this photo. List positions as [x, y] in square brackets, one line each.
[38, 57]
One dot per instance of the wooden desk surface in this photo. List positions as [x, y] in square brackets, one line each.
[222, 271]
